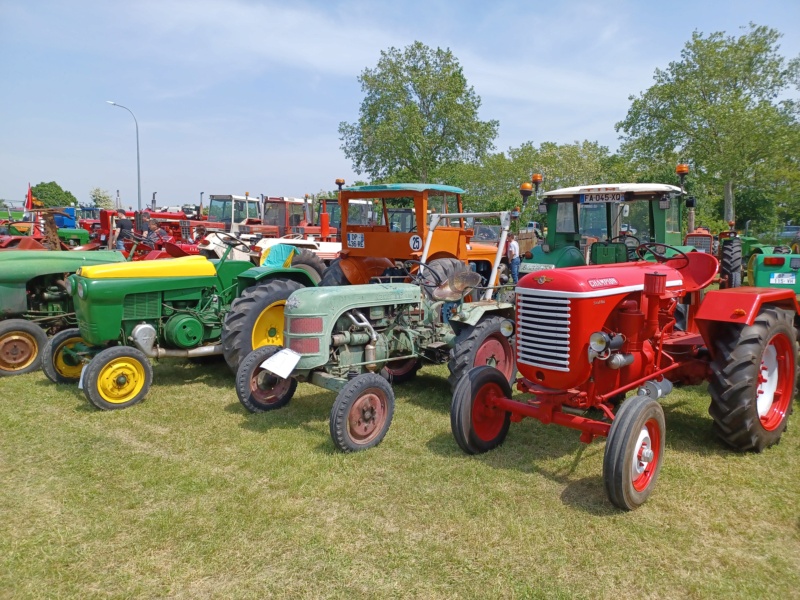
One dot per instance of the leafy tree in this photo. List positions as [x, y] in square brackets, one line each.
[51, 194]
[101, 198]
[719, 106]
[418, 116]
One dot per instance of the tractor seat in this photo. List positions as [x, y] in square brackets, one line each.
[606, 253]
[456, 285]
[186, 266]
[700, 271]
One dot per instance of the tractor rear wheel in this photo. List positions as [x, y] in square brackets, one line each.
[309, 259]
[634, 452]
[730, 267]
[59, 360]
[117, 377]
[334, 275]
[362, 413]
[256, 319]
[21, 344]
[482, 345]
[476, 424]
[258, 389]
[753, 378]
[401, 371]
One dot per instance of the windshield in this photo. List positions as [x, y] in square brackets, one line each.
[593, 220]
[565, 218]
[220, 210]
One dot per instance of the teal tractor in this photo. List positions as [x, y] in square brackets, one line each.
[34, 302]
[356, 340]
[189, 307]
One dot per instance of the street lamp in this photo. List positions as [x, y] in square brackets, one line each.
[138, 169]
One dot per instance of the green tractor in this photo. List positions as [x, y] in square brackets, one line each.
[189, 307]
[356, 340]
[34, 301]
[603, 224]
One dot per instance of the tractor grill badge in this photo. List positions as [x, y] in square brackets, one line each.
[542, 280]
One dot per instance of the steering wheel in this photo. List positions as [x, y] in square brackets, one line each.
[231, 240]
[422, 278]
[660, 255]
[141, 240]
[624, 237]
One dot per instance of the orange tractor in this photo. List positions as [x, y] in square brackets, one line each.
[384, 225]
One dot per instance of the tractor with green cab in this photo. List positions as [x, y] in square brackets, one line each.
[190, 307]
[34, 302]
[356, 340]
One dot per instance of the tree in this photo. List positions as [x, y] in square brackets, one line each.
[418, 116]
[101, 198]
[51, 194]
[719, 107]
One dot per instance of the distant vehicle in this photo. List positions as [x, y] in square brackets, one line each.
[627, 229]
[789, 232]
[534, 227]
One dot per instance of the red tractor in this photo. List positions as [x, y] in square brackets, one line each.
[586, 336]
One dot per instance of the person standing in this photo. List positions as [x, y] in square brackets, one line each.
[513, 257]
[124, 229]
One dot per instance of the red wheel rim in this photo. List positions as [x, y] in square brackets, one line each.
[495, 351]
[399, 368]
[367, 416]
[487, 421]
[774, 391]
[267, 388]
[646, 455]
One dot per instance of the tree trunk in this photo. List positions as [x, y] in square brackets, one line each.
[730, 214]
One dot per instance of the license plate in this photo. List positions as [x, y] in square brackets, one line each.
[282, 363]
[603, 197]
[782, 278]
[532, 267]
[355, 240]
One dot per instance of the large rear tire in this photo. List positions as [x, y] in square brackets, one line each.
[476, 424]
[482, 345]
[634, 452]
[118, 377]
[256, 319]
[21, 344]
[334, 275]
[59, 360]
[753, 377]
[730, 267]
[441, 269]
[309, 259]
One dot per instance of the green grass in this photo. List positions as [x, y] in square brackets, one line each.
[189, 496]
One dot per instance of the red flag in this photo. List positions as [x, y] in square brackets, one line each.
[29, 199]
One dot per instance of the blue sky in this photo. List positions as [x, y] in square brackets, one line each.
[247, 95]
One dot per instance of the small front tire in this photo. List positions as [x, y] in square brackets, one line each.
[21, 344]
[362, 413]
[258, 389]
[118, 377]
[477, 425]
[59, 360]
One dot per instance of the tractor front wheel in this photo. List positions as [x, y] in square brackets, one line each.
[256, 319]
[118, 377]
[634, 452]
[477, 425]
[362, 413]
[60, 361]
[258, 389]
[482, 345]
[753, 380]
[21, 344]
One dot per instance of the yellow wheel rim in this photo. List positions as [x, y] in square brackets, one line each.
[18, 350]
[120, 380]
[750, 269]
[268, 328]
[62, 367]
[796, 248]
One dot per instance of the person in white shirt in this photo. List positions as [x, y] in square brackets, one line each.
[513, 257]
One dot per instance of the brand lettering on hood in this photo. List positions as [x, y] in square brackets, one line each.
[605, 282]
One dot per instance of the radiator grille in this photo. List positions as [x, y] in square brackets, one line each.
[304, 345]
[701, 242]
[305, 325]
[141, 306]
[543, 326]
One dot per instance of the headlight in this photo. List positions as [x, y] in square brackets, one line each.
[598, 341]
[507, 328]
[81, 289]
[68, 286]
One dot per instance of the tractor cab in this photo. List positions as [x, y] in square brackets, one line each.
[604, 224]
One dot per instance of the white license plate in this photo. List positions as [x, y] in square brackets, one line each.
[603, 197]
[355, 240]
[533, 267]
[782, 278]
[282, 363]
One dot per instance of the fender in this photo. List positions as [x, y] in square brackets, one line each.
[472, 312]
[740, 305]
[362, 269]
[254, 275]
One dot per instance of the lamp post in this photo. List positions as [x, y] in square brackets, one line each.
[138, 169]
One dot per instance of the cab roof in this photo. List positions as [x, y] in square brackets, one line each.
[622, 188]
[401, 187]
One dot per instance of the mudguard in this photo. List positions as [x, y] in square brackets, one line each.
[472, 312]
[363, 268]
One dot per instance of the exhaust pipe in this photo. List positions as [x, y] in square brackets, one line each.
[144, 338]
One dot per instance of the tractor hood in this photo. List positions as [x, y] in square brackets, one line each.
[22, 265]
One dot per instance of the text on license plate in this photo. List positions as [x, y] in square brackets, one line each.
[355, 240]
[779, 278]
